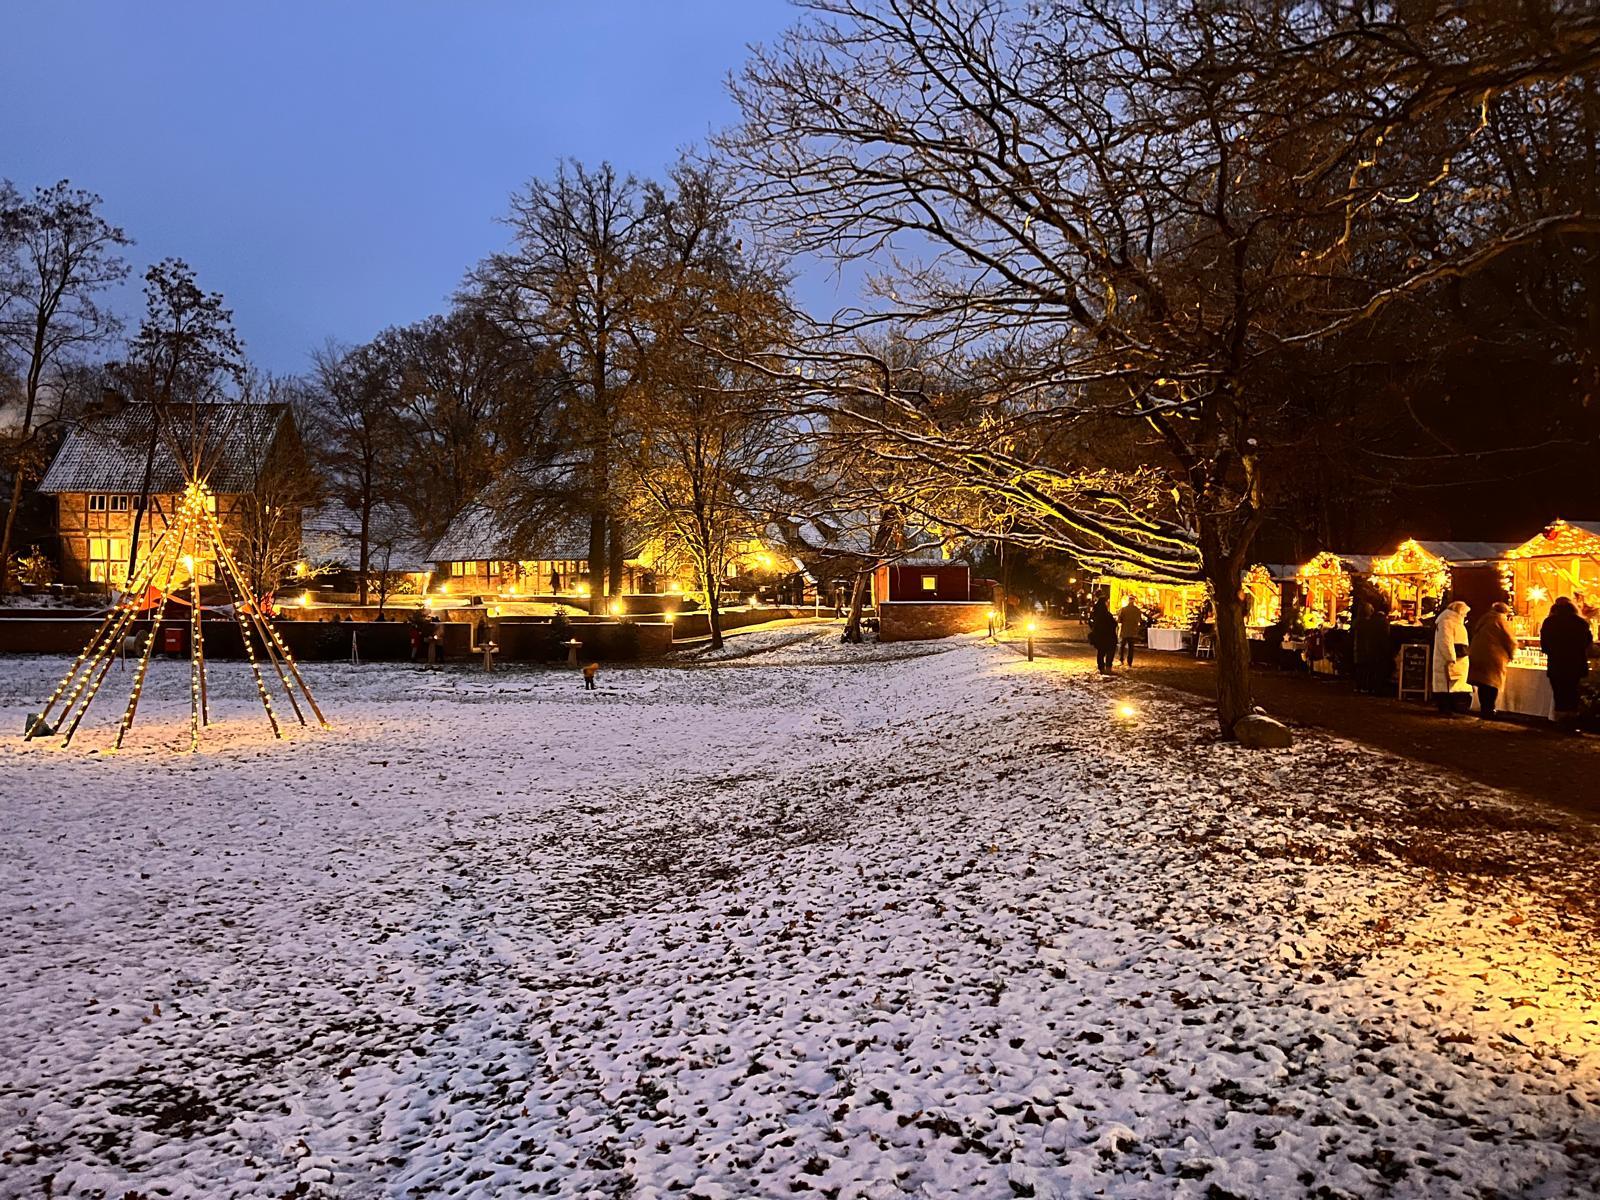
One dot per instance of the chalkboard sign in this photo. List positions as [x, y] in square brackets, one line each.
[1416, 670]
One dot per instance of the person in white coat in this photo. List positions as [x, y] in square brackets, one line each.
[1451, 691]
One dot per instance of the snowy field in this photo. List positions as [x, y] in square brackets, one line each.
[942, 926]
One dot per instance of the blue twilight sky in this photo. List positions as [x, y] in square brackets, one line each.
[334, 166]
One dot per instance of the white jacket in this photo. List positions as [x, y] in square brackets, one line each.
[1450, 668]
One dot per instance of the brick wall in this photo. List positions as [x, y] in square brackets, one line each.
[906, 621]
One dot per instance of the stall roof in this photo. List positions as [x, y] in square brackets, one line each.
[1556, 538]
[1464, 553]
[1279, 572]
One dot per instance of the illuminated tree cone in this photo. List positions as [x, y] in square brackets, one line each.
[191, 538]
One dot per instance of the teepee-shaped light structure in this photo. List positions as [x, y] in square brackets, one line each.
[193, 536]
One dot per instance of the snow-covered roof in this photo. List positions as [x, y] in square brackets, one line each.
[107, 453]
[1461, 553]
[481, 532]
[331, 536]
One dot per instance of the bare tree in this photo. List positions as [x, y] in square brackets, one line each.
[285, 482]
[57, 254]
[184, 358]
[352, 414]
[1124, 211]
[569, 285]
[704, 438]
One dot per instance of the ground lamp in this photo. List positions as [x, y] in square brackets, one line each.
[193, 535]
[1030, 627]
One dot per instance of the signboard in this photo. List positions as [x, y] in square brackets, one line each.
[1416, 670]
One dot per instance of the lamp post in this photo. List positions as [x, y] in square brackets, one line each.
[1031, 626]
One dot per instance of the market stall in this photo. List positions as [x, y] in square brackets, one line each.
[1263, 593]
[1563, 559]
[1419, 575]
[1170, 608]
[1326, 584]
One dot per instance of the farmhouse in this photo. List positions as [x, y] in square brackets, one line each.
[119, 463]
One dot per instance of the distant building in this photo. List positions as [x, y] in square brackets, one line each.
[484, 553]
[98, 476]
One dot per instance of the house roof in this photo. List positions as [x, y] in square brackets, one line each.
[107, 453]
[481, 532]
[331, 536]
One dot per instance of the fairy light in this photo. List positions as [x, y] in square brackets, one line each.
[272, 634]
[112, 629]
[196, 653]
[100, 668]
[182, 543]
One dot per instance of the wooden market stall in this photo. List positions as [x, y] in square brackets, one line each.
[1563, 559]
[1326, 584]
[1419, 575]
[1171, 608]
[1264, 585]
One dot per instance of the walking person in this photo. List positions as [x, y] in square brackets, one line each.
[1103, 635]
[1451, 691]
[1565, 638]
[590, 672]
[1490, 652]
[1130, 628]
[435, 643]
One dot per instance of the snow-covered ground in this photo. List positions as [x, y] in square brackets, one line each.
[948, 926]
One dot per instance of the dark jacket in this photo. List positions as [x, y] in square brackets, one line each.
[1565, 639]
[1102, 627]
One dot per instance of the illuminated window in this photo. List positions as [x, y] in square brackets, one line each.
[930, 583]
[108, 560]
[118, 503]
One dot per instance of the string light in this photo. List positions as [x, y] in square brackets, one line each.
[194, 531]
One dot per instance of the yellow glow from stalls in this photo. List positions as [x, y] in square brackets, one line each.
[582, 589]
[305, 599]
[615, 608]
[1537, 593]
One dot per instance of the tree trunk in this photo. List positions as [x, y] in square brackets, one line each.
[858, 601]
[615, 558]
[714, 615]
[144, 492]
[5, 538]
[597, 554]
[366, 554]
[1232, 647]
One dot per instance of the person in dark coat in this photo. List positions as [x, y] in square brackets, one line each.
[1103, 635]
[1374, 658]
[1565, 638]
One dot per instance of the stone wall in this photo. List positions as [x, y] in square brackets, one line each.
[908, 620]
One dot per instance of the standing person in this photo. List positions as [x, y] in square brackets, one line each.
[435, 642]
[1565, 638]
[1490, 652]
[1130, 627]
[1451, 691]
[1103, 635]
[417, 635]
[1374, 658]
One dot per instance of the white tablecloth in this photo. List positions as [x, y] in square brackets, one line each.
[1527, 691]
[1166, 639]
